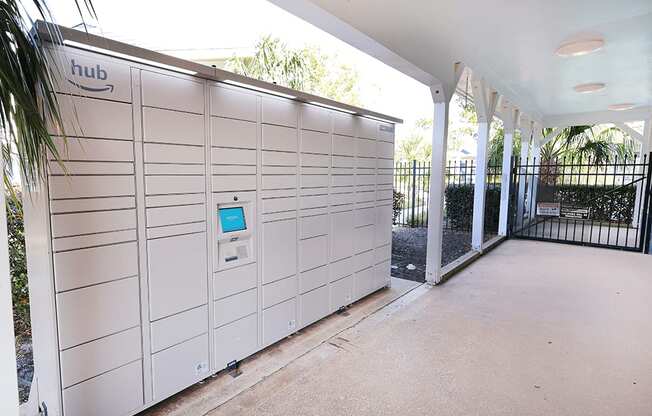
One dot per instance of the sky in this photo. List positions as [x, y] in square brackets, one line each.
[205, 24]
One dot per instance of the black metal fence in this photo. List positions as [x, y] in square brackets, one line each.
[412, 184]
[579, 201]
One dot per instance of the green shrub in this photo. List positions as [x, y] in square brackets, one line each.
[397, 204]
[18, 266]
[459, 207]
[605, 203]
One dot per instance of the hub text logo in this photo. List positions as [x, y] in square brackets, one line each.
[95, 72]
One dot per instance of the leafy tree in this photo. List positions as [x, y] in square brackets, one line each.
[416, 145]
[306, 69]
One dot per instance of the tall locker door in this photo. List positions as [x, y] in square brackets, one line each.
[94, 249]
[174, 155]
[384, 211]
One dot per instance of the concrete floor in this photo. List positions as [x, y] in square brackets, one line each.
[586, 231]
[529, 329]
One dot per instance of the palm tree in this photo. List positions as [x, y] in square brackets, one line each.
[27, 101]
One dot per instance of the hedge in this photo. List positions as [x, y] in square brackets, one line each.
[616, 204]
[459, 207]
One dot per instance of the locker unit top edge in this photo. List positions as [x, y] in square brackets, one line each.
[64, 36]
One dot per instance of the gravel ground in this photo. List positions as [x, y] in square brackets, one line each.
[25, 367]
[409, 247]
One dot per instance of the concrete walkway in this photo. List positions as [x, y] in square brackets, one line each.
[530, 329]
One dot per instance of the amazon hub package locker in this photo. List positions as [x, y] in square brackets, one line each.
[199, 223]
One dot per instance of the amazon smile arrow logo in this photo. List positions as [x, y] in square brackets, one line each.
[91, 72]
[107, 87]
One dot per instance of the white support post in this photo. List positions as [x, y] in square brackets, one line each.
[643, 150]
[536, 160]
[8, 375]
[441, 97]
[526, 134]
[509, 124]
[485, 107]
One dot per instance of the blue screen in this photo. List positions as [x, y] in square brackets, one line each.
[232, 219]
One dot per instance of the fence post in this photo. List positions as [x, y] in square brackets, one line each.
[414, 193]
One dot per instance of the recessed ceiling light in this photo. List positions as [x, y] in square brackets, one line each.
[580, 47]
[621, 107]
[588, 88]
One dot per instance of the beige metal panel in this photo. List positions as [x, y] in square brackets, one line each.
[386, 132]
[224, 156]
[313, 252]
[88, 117]
[344, 124]
[101, 317]
[382, 274]
[364, 238]
[315, 142]
[383, 232]
[237, 183]
[92, 168]
[383, 171]
[384, 179]
[341, 293]
[364, 260]
[311, 212]
[279, 321]
[170, 200]
[118, 392]
[342, 171]
[279, 170]
[315, 118]
[383, 253]
[278, 193]
[172, 230]
[342, 199]
[343, 146]
[227, 132]
[233, 103]
[315, 160]
[279, 291]
[314, 181]
[365, 179]
[366, 163]
[279, 111]
[105, 354]
[175, 215]
[91, 75]
[279, 138]
[384, 195]
[180, 366]
[314, 201]
[343, 162]
[64, 225]
[366, 216]
[314, 226]
[341, 268]
[342, 235]
[367, 128]
[279, 182]
[232, 281]
[233, 170]
[278, 205]
[177, 274]
[365, 197]
[365, 148]
[173, 169]
[385, 150]
[314, 305]
[167, 126]
[177, 328]
[99, 150]
[385, 163]
[172, 92]
[234, 307]
[236, 341]
[363, 283]
[170, 153]
[92, 240]
[279, 248]
[342, 180]
[271, 158]
[313, 279]
[160, 185]
[78, 268]
[91, 204]
[315, 170]
[90, 186]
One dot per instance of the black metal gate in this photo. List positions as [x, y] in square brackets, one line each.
[578, 201]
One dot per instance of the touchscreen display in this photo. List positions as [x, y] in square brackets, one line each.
[232, 219]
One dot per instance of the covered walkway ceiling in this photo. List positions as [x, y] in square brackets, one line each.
[509, 43]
